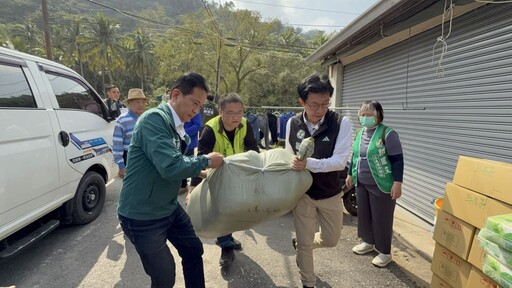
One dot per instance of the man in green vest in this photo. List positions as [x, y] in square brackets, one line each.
[229, 134]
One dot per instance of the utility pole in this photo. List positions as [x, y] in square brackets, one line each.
[217, 81]
[46, 27]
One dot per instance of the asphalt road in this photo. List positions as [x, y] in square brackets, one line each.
[98, 255]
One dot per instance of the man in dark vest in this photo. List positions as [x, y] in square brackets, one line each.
[209, 109]
[322, 203]
[113, 103]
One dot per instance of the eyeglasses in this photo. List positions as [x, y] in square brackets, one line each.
[316, 106]
[233, 114]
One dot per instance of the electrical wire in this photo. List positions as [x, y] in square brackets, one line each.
[301, 8]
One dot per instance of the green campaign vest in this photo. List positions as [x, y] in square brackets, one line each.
[377, 159]
[222, 143]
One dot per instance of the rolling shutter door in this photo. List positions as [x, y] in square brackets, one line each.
[468, 111]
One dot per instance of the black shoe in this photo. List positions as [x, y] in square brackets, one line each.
[227, 256]
[294, 243]
[237, 246]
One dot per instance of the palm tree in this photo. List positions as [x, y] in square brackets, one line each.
[140, 55]
[30, 35]
[103, 44]
[72, 42]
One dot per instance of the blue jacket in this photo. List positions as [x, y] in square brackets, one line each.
[192, 128]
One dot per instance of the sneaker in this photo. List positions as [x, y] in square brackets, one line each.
[294, 243]
[382, 260]
[226, 257]
[363, 248]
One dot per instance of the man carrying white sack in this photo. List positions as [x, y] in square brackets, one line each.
[229, 134]
[322, 203]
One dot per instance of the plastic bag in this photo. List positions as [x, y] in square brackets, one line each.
[248, 189]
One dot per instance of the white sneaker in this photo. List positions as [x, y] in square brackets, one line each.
[363, 248]
[381, 260]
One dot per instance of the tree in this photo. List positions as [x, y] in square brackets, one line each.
[72, 43]
[140, 55]
[103, 44]
[30, 35]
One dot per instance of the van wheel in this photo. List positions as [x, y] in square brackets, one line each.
[89, 198]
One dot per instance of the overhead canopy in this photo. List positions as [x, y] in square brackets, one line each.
[385, 18]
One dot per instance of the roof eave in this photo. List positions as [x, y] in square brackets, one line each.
[369, 16]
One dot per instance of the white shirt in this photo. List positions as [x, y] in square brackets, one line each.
[339, 157]
[180, 126]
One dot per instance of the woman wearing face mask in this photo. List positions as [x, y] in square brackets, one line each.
[377, 171]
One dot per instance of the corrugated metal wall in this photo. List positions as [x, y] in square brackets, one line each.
[468, 111]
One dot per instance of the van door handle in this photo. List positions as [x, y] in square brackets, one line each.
[64, 138]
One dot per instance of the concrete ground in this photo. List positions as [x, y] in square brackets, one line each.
[98, 255]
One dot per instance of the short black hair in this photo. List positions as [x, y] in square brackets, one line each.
[210, 97]
[314, 84]
[188, 82]
[109, 87]
[230, 98]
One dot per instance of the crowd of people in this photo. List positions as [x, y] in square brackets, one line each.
[157, 151]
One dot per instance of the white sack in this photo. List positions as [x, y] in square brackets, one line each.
[248, 189]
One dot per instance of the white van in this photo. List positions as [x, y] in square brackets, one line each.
[55, 149]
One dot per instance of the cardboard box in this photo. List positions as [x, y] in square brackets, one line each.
[437, 282]
[477, 279]
[491, 178]
[472, 207]
[450, 267]
[454, 234]
[476, 254]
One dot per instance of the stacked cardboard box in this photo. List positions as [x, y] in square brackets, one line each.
[480, 189]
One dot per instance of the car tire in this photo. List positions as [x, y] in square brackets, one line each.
[89, 198]
[350, 201]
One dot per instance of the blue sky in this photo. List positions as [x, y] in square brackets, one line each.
[309, 12]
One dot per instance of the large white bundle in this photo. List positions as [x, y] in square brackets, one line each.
[248, 189]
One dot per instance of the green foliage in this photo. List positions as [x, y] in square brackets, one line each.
[235, 50]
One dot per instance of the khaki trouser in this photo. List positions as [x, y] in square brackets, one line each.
[307, 216]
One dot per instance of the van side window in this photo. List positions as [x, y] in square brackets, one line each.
[72, 94]
[14, 89]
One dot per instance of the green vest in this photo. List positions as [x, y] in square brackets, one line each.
[222, 143]
[377, 159]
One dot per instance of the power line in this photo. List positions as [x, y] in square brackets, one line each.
[301, 8]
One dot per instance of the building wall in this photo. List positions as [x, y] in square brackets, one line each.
[466, 111]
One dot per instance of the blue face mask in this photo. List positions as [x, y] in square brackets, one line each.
[367, 121]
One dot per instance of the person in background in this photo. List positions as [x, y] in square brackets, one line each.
[124, 127]
[229, 133]
[322, 203]
[377, 171]
[192, 129]
[209, 110]
[148, 209]
[113, 103]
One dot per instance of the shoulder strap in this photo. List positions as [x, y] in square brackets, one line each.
[384, 135]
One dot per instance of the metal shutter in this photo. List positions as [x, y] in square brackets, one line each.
[467, 112]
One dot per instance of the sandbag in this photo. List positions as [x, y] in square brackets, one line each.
[248, 189]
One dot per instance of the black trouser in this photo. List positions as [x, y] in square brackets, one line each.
[375, 213]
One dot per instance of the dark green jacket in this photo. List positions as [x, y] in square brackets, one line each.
[155, 167]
